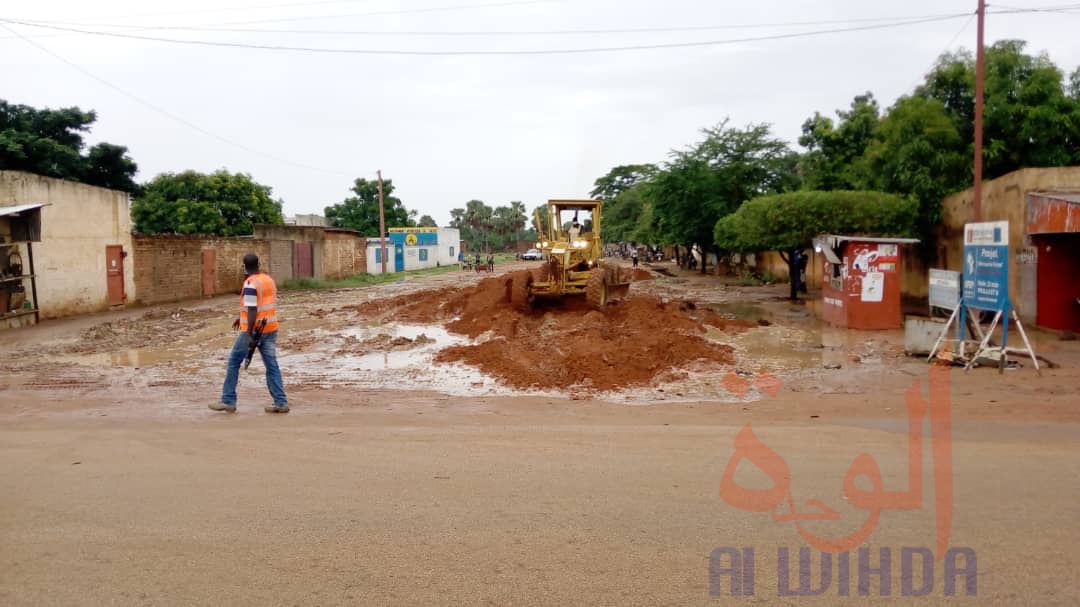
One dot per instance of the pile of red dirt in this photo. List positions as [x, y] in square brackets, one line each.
[566, 344]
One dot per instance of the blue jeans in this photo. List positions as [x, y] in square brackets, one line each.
[268, 350]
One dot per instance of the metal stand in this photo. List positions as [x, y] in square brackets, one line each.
[984, 337]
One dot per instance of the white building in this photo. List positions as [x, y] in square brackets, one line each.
[414, 249]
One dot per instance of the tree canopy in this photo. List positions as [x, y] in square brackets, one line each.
[923, 144]
[791, 220]
[484, 228]
[50, 142]
[713, 178]
[622, 178]
[360, 211]
[221, 203]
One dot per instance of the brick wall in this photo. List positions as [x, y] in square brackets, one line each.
[229, 274]
[281, 260]
[344, 255]
[169, 268]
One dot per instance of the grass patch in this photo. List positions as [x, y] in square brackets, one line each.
[362, 280]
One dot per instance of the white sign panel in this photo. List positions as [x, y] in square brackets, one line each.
[944, 289]
[873, 286]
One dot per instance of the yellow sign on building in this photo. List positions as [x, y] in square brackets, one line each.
[414, 230]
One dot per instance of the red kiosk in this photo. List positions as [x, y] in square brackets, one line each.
[861, 282]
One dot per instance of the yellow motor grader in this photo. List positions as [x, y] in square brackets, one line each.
[572, 254]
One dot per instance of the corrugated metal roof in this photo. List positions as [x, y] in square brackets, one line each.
[1071, 197]
[15, 210]
[836, 239]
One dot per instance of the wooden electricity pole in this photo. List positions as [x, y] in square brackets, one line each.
[979, 75]
[382, 224]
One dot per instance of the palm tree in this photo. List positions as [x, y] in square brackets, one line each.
[518, 218]
[478, 217]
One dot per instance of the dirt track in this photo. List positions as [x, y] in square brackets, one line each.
[399, 479]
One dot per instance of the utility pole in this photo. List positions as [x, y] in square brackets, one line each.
[979, 74]
[382, 224]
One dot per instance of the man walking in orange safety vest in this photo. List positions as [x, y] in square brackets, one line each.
[257, 303]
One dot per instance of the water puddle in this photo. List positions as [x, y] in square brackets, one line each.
[391, 357]
[416, 346]
[124, 358]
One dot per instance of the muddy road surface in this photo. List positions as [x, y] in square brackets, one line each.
[444, 448]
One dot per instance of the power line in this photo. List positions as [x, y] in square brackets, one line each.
[1061, 9]
[632, 30]
[1037, 9]
[948, 46]
[405, 11]
[569, 51]
[166, 113]
[213, 10]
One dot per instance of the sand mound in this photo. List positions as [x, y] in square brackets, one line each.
[565, 344]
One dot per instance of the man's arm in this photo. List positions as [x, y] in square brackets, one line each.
[252, 312]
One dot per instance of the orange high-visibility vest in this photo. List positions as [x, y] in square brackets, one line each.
[266, 295]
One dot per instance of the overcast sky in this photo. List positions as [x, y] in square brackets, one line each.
[448, 129]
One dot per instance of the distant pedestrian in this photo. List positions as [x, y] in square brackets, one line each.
[258, 304]
[633, 256]
[804, 258]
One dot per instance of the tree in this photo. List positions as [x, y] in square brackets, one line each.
[623, 213]
[221, 203]
[109, 166]
[502, 222]
[426, 221]
[789, 222]
[477, 221]
[1030, 119]
[919, 152]
[360, 212]
[713, 178]
[540, 211]
[924, 144]
[517, 219]
[50, 142]
[835, 154]
[622, 178]
[478, 216]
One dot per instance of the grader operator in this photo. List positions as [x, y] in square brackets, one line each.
[572, 254]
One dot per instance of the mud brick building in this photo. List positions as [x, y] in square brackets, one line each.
[175, 268]
[82, 256]
[1042, 206]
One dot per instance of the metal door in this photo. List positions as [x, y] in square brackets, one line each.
[114, 269]
[209, 272]
[399, 258]
[303, 260]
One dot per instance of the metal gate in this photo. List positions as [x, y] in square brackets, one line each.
[209, 272]
[114, 270]
[303, 260]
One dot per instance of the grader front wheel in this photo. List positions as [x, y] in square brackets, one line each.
[596, 290]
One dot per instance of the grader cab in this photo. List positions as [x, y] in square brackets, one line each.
[572, 255]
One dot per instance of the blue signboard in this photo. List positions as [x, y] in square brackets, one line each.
[986, 265]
